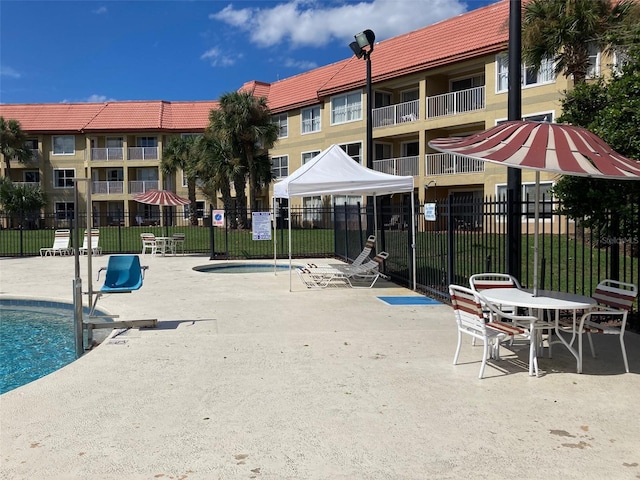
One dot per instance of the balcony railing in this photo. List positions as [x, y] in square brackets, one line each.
[449, 164]
[107, 154]
[454, 103]
[141, 186]
[143, 153]
[395, 114]
[398, 166]
[107, 188]
[27, 184]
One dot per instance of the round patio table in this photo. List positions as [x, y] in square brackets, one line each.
[544, 300]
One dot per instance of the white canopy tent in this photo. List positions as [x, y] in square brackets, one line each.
[333, 172]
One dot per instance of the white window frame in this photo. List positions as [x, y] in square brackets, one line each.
[346, 108]
[528, 188]
[280, 170]
[64, 145]
[543, 76]
[313, 124]
[306, 156]
[63, 177]
[312, 208]
[349, 149]
[546, 116]
[282, 121]
[594, 68]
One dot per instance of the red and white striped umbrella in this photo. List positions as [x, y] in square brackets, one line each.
[550, 147]
[160, 197]
[542, 146]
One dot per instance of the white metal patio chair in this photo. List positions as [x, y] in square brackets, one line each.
[468, 306]
[615, 300]
[149, 243]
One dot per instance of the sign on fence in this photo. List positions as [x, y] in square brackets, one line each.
[261, 225]
[218, 218]
[430, 212]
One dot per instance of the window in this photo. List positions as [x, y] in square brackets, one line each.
[114, 142]
[147, 141]
[354, 150]
[312, 209]
[306, 156]
[529, 198]
[346, 108]
[64, 210]
[64, 145]
[535, 117]
[383, 151]
[409, 95]
[620, 59]
[63, 178]
[311, 120]
[381, 99]
[280, 166]
[31, 176]
[191, 135]
[283, 125]
[200, 209]
[530, 76]
[593, 69]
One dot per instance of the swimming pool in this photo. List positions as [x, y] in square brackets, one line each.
[36, 339]
[241, 268]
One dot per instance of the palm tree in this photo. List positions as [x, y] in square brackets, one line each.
[12, 140]
[244, 122]
[182, 153]
[216, 169]
[564, 30]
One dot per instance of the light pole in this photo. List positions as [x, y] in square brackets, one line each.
[362, 47]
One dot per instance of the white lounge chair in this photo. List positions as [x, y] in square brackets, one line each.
[361, 276]
[60, 244]
[95, 239]
[359, 260]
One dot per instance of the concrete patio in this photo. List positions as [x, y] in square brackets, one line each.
[245, 379]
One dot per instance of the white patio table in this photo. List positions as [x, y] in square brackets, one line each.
[544, 300]
[164, 245]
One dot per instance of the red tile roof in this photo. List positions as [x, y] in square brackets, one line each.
[479, 32]
[110, 116]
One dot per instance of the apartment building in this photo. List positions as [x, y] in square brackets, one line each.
[447, 79]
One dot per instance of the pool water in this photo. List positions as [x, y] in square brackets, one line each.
[240, 268]
[34, 342]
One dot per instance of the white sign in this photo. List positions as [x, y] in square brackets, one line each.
[218, 218]
[261, 225]
[430, 212]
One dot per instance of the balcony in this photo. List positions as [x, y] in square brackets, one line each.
[396, 114]
[26, 184]
[398, 166]
[449, 164]
[455, 103]
[141, 186]
[107, 154]
[143, 153]
[107, 188]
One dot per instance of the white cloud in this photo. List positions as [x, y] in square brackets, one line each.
[217, 58]
[9, 72]
[99, 11]
[303, 23]
[95, 98]
[302, 65]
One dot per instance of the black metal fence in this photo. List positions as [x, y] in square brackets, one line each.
[467, 236]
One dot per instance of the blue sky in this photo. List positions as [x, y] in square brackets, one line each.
[91, 50]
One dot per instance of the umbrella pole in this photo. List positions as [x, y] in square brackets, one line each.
[536, 216]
